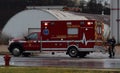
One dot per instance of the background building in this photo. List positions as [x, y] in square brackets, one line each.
[9, 8]
[32, 18]
[115, 19]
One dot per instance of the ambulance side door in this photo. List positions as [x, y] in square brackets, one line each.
[32, 43]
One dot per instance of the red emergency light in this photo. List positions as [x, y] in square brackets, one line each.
[46, 24]
[89, 23]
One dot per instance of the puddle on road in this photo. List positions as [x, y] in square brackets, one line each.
[115, 63]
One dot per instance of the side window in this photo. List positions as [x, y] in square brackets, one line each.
[33, 36]
[72, 31]
[99, 30]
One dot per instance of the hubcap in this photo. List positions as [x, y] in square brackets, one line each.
[16, 51]
[73, 52]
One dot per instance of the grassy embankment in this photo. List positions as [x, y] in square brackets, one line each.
[54, 70]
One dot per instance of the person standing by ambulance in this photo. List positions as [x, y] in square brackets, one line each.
[111, 43]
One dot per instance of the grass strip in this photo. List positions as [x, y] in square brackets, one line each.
[54, 70]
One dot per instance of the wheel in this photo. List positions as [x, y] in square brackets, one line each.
[16, 51]
[73, 52]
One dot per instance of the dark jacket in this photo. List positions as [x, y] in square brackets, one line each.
[111, 42]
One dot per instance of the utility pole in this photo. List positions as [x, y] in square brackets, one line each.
[118, 19]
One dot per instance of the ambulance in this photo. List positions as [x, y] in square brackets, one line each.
[76, 38]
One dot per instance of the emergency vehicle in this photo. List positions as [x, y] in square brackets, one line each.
[75, 37]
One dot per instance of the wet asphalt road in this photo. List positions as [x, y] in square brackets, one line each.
[96, 60]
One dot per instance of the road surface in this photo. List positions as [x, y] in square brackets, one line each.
[94, 60]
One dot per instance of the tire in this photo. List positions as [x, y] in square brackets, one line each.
[73, 52]
[16, 51]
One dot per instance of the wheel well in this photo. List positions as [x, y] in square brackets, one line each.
[15, 44]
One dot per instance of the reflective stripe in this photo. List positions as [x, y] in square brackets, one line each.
[54, 49]
[87, 41]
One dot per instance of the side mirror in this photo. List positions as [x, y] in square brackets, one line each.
[26, 38]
